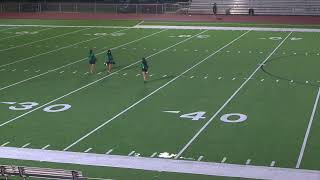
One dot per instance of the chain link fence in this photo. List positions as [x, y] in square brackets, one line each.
[93, 8]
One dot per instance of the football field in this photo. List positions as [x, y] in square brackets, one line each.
[242, 97]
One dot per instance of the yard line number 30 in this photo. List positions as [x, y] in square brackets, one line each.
[29, 105]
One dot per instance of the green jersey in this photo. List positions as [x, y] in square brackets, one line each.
[109, 56]
[92, 57]
[144, 66]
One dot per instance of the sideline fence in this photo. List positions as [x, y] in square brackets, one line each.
[93, 8]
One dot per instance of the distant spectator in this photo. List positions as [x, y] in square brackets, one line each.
[214, 9]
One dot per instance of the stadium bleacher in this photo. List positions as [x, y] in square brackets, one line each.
[260, 7]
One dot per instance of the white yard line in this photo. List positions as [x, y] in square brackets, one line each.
[210, 23]
[23, 34]
[175, 112]
[153, 92]
[153, 154]
[26, 44]
[308, 130]
[80, 60]
[25, 145]
[94, 82]
[4, 144]
[158, 164]
[55, 50]
[200, 158]
[227, 102]
[110, 150]
[141, 22]
[228, 28]
[131, 153]
[89, 149]
[45, 147]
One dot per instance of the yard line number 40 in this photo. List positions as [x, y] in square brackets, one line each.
[29, 105]
[227, 118]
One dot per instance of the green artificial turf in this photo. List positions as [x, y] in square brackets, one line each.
[190, 71]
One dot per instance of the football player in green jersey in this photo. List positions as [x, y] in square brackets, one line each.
[144, 69]
[109, 61]
[92, 61]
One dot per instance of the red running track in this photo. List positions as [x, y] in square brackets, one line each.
[168, 17]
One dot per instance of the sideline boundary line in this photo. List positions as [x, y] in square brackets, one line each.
[87, 85]
[228, 23]
[305, 140]
[153, 92]
[158, 164]
[229, 28]
[231, 97]
[74, 62]
[183, 27]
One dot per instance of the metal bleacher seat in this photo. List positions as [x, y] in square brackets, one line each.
[261, 7]
[7, 171]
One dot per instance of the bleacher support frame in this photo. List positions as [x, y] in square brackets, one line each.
[7, 171]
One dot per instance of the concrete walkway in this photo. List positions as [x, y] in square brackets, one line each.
[157, 164]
